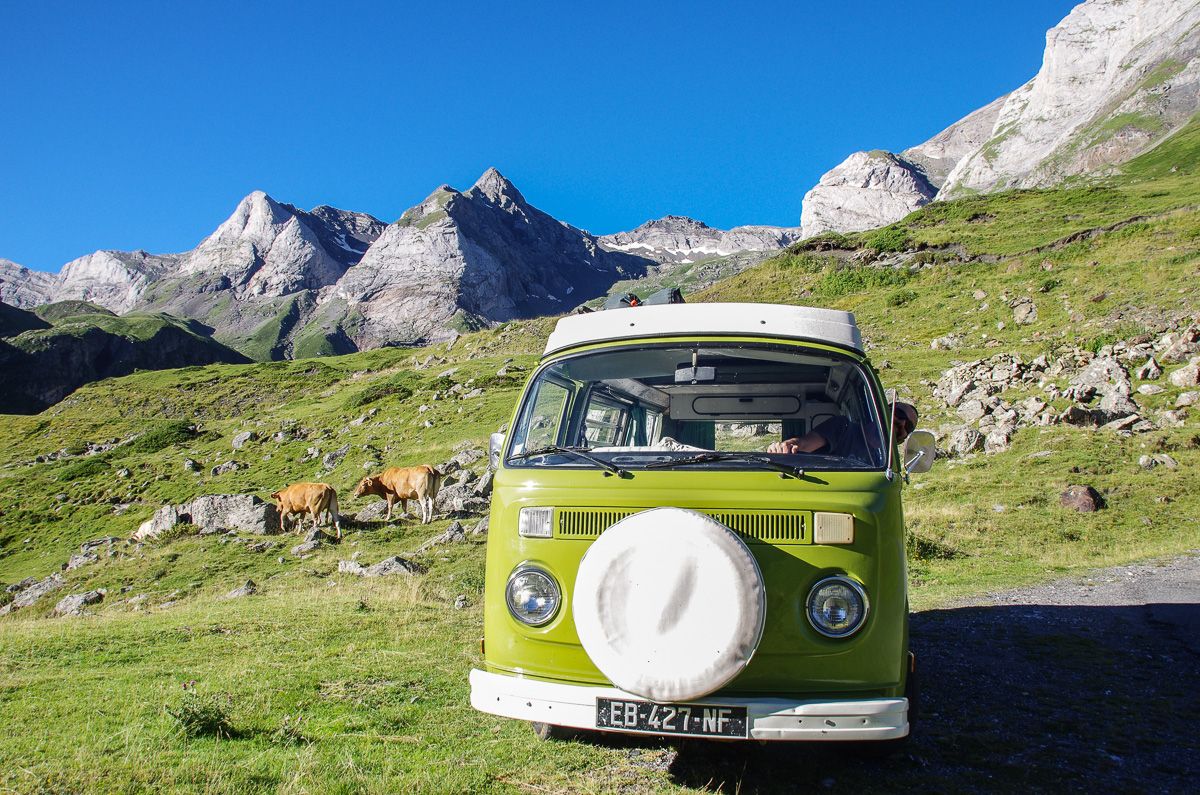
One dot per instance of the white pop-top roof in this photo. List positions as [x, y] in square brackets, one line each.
[797, 322]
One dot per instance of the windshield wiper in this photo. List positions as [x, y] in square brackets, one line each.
[578, 452]
[704, 458]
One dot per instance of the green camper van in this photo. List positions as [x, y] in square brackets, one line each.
[653, 569]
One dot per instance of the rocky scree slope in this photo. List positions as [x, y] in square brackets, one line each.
[1117, 77]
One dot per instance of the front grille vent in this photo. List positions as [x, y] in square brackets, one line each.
[765, 526]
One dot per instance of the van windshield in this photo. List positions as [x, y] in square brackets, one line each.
[648, 406]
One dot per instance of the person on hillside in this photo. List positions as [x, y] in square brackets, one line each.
[846, 438]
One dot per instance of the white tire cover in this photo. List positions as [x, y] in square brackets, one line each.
[669, 604]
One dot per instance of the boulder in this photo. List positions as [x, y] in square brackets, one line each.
[1149, 371]
[249, 588]
[972, 411]
[963, 441]
[80, 559]
[332, 459]
[32, 593]
[163, 519]
[1187, 376]
[1178, 347]
[22, 585]
[393, 565]
[1187, 399]
[351, 567]
[374, 512]
[483, 486]
[73, 605]
[1150, 389]
[246, 513]
[225, 468]
[454, 534]
[243, 438]
[191, 465]
[997, 441]
[480, 528]
[1024, 311]
[1083, 499]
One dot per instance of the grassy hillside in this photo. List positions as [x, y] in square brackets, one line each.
[373, 672]
[64, 350]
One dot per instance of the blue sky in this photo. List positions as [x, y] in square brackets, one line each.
[140, 125]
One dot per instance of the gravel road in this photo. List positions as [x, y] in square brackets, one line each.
[1082, 685]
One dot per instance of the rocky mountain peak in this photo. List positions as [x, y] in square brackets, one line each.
[864, 188]
[496, 188]
[22, 287]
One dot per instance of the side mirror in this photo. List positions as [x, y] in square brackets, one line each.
[920, 449]
[495, 445]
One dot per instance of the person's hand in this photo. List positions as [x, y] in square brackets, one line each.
[786, 446]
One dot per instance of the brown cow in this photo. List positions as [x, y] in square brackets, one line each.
[418, 483]
[313, 499]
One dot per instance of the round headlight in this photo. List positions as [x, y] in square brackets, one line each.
[532, 595]
[837, 607]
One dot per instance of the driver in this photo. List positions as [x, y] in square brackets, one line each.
[844, 437]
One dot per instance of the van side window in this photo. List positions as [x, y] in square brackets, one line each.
[544, 416]
[605, 422]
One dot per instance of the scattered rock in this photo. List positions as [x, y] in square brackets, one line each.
[454, 534]
[964, 441]
[1024, 311]
[351, 567]
[1187, 399]
[1150, 389]
[460, 601]
[1083, 499]
[190, 465]
[73, 605]
[997, 441]
[228, 466]
[243, 438]
[1159, 459]
[1187, 376]
[249, 588]
[35, 591]
[22, 585]
[480, 528]
[1149, 371]
[331, 460]
[80, 559]
[393, 565]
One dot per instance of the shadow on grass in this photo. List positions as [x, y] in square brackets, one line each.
[1029, 698]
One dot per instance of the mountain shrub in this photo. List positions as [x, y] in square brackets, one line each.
[198, 715]
[888, 239]
[845, 281]
[901, 297]
[86, 468]
[163, 435]
[395, 388]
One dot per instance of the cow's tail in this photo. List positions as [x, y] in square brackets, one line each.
[333, 514]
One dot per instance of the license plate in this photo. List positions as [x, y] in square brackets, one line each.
[701, 720]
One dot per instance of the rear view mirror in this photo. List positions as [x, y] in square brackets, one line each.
[692, 375]
[495, 445]
[919, 451]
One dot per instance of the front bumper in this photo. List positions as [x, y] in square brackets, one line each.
[769, 718]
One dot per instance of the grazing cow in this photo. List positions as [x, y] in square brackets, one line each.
[314, 499]
[418, 483]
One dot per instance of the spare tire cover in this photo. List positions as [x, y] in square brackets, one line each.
[669, 604]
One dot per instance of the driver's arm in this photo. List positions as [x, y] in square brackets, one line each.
[799, 444]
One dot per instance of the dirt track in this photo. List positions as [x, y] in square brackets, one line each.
[1089, 684]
